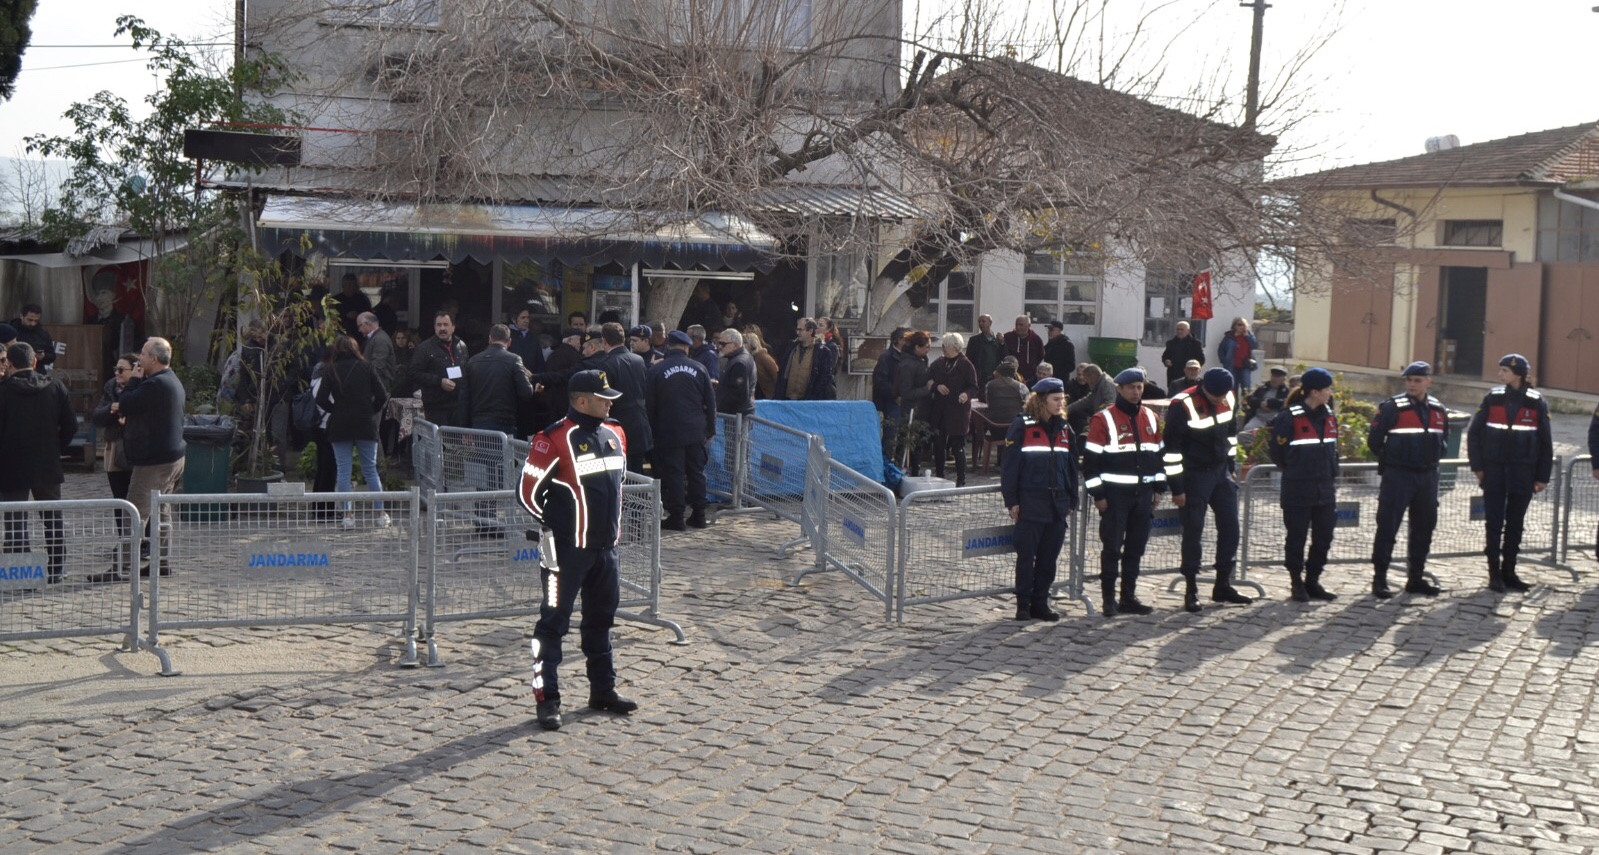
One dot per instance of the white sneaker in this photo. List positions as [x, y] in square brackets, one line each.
[348, 524]
[384, 521]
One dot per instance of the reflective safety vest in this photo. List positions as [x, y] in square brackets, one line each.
[1305, 432]
[1416, 439]
[1123, 450]
[1515, 438]
[1499, 415]
[1202, 434]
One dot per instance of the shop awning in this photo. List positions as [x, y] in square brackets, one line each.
[141, 249]
[343, 228]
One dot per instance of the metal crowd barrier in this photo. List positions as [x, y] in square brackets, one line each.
[960, 544]
[259, 561]
[1163, 553]
[774, 465]
[426, 460]
[1579, 519]
[85, 538]
[724, 463]
[856, 522]
[473, 460]
[1460, 532]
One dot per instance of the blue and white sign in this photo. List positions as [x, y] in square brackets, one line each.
[1166, 521]
[1346, 515]
[997, 540]
[772, 468]
[292, 559]
[21, 571]
[525, 557]
[854, 529]
[1479, 511]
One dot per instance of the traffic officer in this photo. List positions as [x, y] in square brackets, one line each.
[1512, 453]
[1408, 437]
[572, 485]
[1201, 461]
[682, 411]
[1305, 447]
[1038, 481]
[1122, 470]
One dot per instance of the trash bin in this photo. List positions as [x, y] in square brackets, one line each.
[207, 460]
[1458, 422]
[1112, 354]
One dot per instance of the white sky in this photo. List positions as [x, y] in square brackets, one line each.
[1396, 73]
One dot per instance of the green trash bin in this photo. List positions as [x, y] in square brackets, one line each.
[1112, 354]
[207, 462]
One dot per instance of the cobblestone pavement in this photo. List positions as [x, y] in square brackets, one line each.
[798, 720]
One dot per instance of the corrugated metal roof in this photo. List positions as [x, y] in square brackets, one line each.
[1543, 157]
[837, 200]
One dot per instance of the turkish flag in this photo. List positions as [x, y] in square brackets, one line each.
[1202, 307]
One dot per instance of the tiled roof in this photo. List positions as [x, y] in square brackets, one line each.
[1555, 156]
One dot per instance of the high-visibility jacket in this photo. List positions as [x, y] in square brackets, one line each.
[572, 481]
[1511, 428]
[1409, 434]
[1039, 472]
[1200, 435]
[1123, 450]
[1305, 447]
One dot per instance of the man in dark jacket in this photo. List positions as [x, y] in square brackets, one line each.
[494, 384]
[378, 349]
[1059, 350]
[565, 360]
[735, 392]
[436, 368]
[625, 371]
[641, 340]
[33, 333]
[682, 409]
[1179, 349]
[704, 352]
[152, 430]
[1024, 344]
[806, 371]
[525, 341]
[36, 427]
[352, 302]
[985, 351]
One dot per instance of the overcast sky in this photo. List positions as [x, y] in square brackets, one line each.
[1396, 72]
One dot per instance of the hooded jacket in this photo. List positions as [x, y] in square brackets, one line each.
[36, 427]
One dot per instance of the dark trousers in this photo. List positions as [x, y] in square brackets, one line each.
[951, 445]
[1318, 522]
[681, 469]
[1123, 533]
[1038, 547]
[17, 537]
[571, 572]
[119, 482]
[1406, 490]
[1506, 515]
[1215, 490]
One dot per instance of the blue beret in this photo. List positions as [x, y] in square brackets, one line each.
[1517, 363]
[1049, 386]
[1316, 378]
[1131, 375]
[679, 337]
[8, 333]
[1417, 369]
[1217, 381]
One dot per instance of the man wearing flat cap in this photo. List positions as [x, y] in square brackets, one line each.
[1123, 473]
[1408, 437]
[572, 486]
[1201, 452]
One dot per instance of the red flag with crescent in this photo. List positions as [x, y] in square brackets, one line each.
[1203, 311]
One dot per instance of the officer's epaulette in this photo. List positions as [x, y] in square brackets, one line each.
[1497, 390]
[1434, 402]
[1402, 399]
[1297, 410]
[1533, 395]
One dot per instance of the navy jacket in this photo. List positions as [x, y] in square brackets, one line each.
[1304, 445]
[572, 481]
[1509, 438]
[1039, 472]
[681, 402]
[625, 370]
[154, 408]
[1409, 434]
[1200, 436]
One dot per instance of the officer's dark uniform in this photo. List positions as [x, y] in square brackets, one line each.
[1039, 474]
[1510, 443]
[682, 410]
[572, 485]
[1201, 455]
[1122, 465]
[1305, 447]
[1408, 438]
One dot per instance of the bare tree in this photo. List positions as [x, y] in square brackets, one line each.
[666, 108]
[26, 189]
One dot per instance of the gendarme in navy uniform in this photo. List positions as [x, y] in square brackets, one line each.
[1038, 480]
[1408, 437]
[572, 485]
[682, 409]
[1201, 458]
[1304, 445]
[1123, 473]
[1512, 454]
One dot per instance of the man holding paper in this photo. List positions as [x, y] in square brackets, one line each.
[436, 368]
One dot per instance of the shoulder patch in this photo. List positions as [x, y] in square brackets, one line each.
[1533, 394]
[541, 445]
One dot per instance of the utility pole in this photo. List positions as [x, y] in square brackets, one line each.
[1252, 102]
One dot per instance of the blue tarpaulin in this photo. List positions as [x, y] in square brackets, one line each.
[849, 429]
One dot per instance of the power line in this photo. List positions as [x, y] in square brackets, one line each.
[84, 64]
[130, 47]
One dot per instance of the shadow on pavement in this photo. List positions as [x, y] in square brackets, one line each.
[1465, 623]
[1359, 623]
[1226, 630]
[1572, 630]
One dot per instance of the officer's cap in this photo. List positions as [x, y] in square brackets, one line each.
[1517, 363]
[1049, 386]
[592, 382]
[679, 337]
[1217, 381]
[1316, 378]
[1131, 375]
[1417, 369]
[570, 332]
[641, 331]
[1279, 372]
[8, 333]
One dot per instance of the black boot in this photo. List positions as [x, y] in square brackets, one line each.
[1418, 585]
[1024, 609]
[611, 702]
[1296, 587]
[1107, 592]
[696, 518]
[1496, 576]
[1043, 612]
[1512, 581]
[549, 714]
[960, 466]
[1191, 595]
[1379, 583]
[1129, 603]
[1315, 590]
[1224, 592]
[673, 522]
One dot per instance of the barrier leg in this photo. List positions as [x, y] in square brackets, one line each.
[663, 623]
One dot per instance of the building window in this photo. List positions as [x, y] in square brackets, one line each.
[401, 13]
[1567, 231]
[950, 308]
[1473, 232]
[1168, 298]
[1063, 286]
[843, 282]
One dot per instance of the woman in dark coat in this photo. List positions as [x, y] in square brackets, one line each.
[913, 389]
[954, 386]
[353, 396]
[118, 472]
[1038, 481]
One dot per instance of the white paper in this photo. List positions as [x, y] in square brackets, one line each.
[453, 372]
